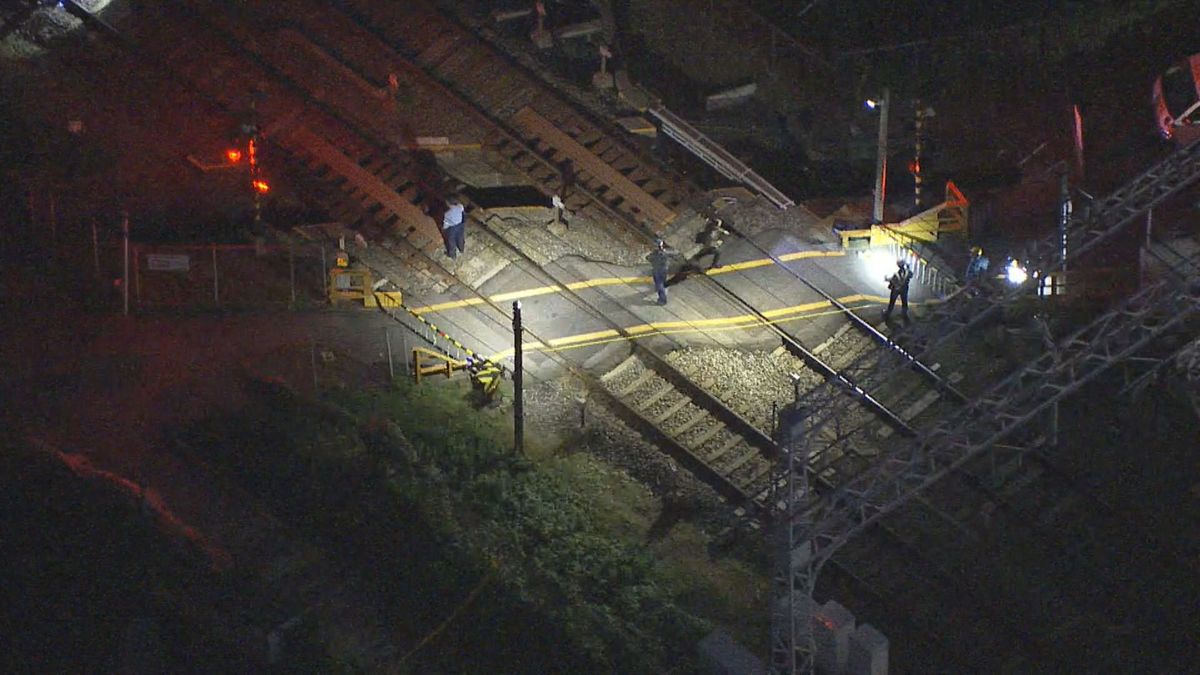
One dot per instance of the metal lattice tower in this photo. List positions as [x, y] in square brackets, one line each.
[792, 646]
[817, 526]
[911, 465]
[964, 310]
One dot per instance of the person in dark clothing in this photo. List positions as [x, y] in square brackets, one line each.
[978, 266]
[566, 172]
[660, 261]
[710, 240]
[898, 285]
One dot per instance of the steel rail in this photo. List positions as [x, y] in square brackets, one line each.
[869, 497]
[1088, 229]
[824, 369]
[739, 426]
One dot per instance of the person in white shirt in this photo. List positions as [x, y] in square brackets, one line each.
[454, 228]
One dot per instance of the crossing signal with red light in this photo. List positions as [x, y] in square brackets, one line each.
[233, 155]
[261, 186]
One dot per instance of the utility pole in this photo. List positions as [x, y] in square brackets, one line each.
[923, 113]
[518, 376]
[881, 158]
[125, 277]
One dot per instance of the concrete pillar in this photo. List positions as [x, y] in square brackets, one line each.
[833, 625]
[867, 653]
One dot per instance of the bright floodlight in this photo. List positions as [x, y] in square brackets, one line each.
[879, 262]
[872, 103]
[1015, 274]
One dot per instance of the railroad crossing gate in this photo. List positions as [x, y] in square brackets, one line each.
[949, 217]
[485, 375]
[355, 283]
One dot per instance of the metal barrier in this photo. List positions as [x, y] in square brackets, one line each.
[904, 240]
[485, 373]
[948, 217]
[441, 363]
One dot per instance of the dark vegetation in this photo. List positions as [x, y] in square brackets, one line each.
[439, 520]
[91, 584]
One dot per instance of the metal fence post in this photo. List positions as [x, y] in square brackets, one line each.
[324, 274]
[518, 381]
[387, 339]
[292, 272]
[216, 284]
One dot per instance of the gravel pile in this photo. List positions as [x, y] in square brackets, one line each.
[746, 381]
[553, 408]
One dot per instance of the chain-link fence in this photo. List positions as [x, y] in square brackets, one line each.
[210, 276]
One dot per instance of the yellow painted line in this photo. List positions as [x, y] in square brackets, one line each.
[853, 302]
[563, 344]
[606, 281]
[443, 306]
[584, 337]
[694, 323]
[738, 267]
[795, 309]
[527, 293]
[614, 281]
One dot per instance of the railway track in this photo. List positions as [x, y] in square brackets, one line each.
[529, 154]
[739, 477]
[324, 140]
[656, 401]
[354, 167]
[648, 386]
[473, 69]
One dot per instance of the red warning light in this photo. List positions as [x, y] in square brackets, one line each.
[234, 156]
[261, 186]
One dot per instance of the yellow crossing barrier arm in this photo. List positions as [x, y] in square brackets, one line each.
[484, 372]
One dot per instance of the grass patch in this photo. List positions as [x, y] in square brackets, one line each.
[542, 565]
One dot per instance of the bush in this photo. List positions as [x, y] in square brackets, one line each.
[433, 510]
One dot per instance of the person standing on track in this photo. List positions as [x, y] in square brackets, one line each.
[710, 241]
[660, 262]
[898, 285]
[566, 172]
[454, 227]
[978, 266]
[710, 245]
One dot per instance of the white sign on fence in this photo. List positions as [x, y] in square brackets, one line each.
[162, 262]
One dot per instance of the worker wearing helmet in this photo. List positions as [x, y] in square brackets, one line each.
[898, 285]
[978, 266]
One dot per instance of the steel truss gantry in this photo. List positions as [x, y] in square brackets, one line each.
[792, 640]
[914, 464]
[818, 525]
[967, 309]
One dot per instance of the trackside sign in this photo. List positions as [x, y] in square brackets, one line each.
[161, 262]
